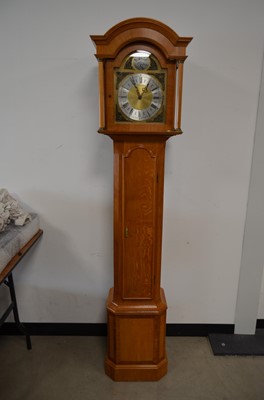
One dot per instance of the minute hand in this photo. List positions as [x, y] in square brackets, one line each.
[134, 84]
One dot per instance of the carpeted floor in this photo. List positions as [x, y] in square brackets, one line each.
[72, 368]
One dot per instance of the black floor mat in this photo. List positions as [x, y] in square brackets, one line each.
[239, 345]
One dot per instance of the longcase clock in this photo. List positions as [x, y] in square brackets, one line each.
[140, 86]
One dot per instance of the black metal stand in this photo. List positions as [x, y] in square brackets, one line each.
[13, 307]
[7, 278]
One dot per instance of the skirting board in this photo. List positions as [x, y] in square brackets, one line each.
[88, 329]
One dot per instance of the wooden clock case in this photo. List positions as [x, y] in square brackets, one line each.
[136, 305]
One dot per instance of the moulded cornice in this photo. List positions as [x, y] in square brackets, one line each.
[140, 30]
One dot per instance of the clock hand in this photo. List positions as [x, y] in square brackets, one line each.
[144, 90]
[134, 84]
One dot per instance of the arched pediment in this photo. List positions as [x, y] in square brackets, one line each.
[140, 30]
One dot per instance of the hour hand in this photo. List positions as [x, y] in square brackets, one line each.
[144, 90]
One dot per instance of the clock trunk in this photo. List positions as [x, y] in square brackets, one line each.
[136, 305]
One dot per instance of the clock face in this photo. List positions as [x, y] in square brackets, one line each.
[140, 89]
[140, 96]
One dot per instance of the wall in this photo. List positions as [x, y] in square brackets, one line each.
[54, 161]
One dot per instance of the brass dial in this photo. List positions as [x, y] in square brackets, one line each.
[140, 96]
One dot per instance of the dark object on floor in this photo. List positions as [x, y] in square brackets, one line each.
[237, 345]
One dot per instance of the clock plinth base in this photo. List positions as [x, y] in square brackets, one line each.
[135, 372]
[136, 340]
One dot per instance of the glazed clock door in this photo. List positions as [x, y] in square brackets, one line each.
[139, 169]
[140, 85]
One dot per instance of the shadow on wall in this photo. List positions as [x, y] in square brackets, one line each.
[206, 184]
